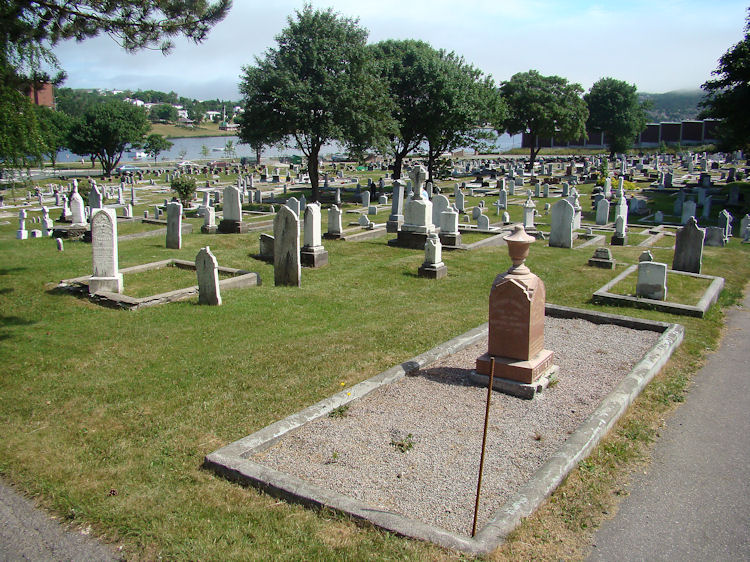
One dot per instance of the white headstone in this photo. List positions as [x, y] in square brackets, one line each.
[232, 206]
[106, 276]
[652, 280]
[207, 271]
[77, 212]
[312, 237]
[334, 221]
[174, 225]
[602, 211]
[22, 233]
[286, 260]
[561, 220]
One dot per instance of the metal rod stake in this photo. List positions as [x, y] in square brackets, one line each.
[484, 443]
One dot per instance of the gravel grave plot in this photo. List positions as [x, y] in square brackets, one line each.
[435, 416]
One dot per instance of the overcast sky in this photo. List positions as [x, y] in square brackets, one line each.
[659, 45]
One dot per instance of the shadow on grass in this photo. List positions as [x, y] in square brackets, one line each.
[9, 270]
[6, 290]
[9, 322]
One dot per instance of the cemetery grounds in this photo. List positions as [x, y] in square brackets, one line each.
[107, 414]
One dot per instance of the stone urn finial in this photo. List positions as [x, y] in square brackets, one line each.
[518, 248]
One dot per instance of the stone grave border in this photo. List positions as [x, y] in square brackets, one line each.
[240, 278]
[233, 461]
[711, 294]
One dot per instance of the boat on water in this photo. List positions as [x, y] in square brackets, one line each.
[218, 149]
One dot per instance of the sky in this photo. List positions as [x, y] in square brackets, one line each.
[659, 46]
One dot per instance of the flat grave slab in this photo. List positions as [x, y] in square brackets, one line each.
[344, 453]
[238, 278]
[605, 296]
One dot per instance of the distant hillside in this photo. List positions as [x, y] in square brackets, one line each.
[673, 106]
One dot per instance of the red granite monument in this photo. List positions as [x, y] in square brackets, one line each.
[516, 319]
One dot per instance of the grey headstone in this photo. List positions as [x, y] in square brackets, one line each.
[286, 261]
[207, 271]
[652, 280]
[174, 225]
[561, 221]
[106, 275]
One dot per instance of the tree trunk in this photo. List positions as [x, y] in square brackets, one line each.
[258, 152]
[533, 151]
[397, 164]
[312, 170]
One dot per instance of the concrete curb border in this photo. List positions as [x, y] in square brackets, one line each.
[239, 279]
[710, 296]
[232, 461]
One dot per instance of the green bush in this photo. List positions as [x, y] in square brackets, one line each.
[184, 187]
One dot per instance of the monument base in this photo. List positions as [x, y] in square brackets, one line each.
[233, 227]
[72, 231]
[209, 229]
[515, 388]
[313, 256]
[450, 239]
[407, 239]
[105, 284]
[393, 226]
[432, 271]
[619, 240]
[515, 369]
[604, 264]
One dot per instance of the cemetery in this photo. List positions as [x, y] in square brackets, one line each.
[356, 380]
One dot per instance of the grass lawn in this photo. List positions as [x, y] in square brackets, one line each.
[206, 129]
[681, 289]
[107, 414]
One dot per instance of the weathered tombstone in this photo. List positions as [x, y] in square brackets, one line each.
[77, 212]
[286, 263]
[516, 321]
[47, 224]
[59, 243]
[106, 276]
[266, 247]
[602, 258]
[483, 222]
[646, 255]
[602, 211]
[461, 202]
[364, 222]
[95, 198]
[565, 189]
[22, 233]
[335, 228]
[313, 254]
[396, 219]
[383, 200]
[688, 210]
[439, 204]
[207, 271]
[433, 266]
[174, 225]
[620, 237]
[365, 198]
[561, 221]
[209, 221]
[706, 207]
[658, 217]
[475, 212]
[231, 222]
[652, 280]
[506, 217]
[529, 208]
[715, 236]
[302, 204]
[725, 222]
[745, 227]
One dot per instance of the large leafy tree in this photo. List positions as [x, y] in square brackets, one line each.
[107, 130]
[407, 67]
[464, 101]
[257, 132]
[156, 144]
[728, 95]
[163, 112]
[544, 107]
[55, 130]
[437, 98]
[30, 28]
[615, 109]
[318, 85]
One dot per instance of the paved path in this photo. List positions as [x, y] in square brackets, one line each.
[694, 501]
[27, 533]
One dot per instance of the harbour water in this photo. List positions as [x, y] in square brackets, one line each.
[193, 148]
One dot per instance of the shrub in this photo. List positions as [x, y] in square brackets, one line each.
[184, 187]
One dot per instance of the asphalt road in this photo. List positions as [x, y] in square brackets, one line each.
[694, 501]
[27, 533]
